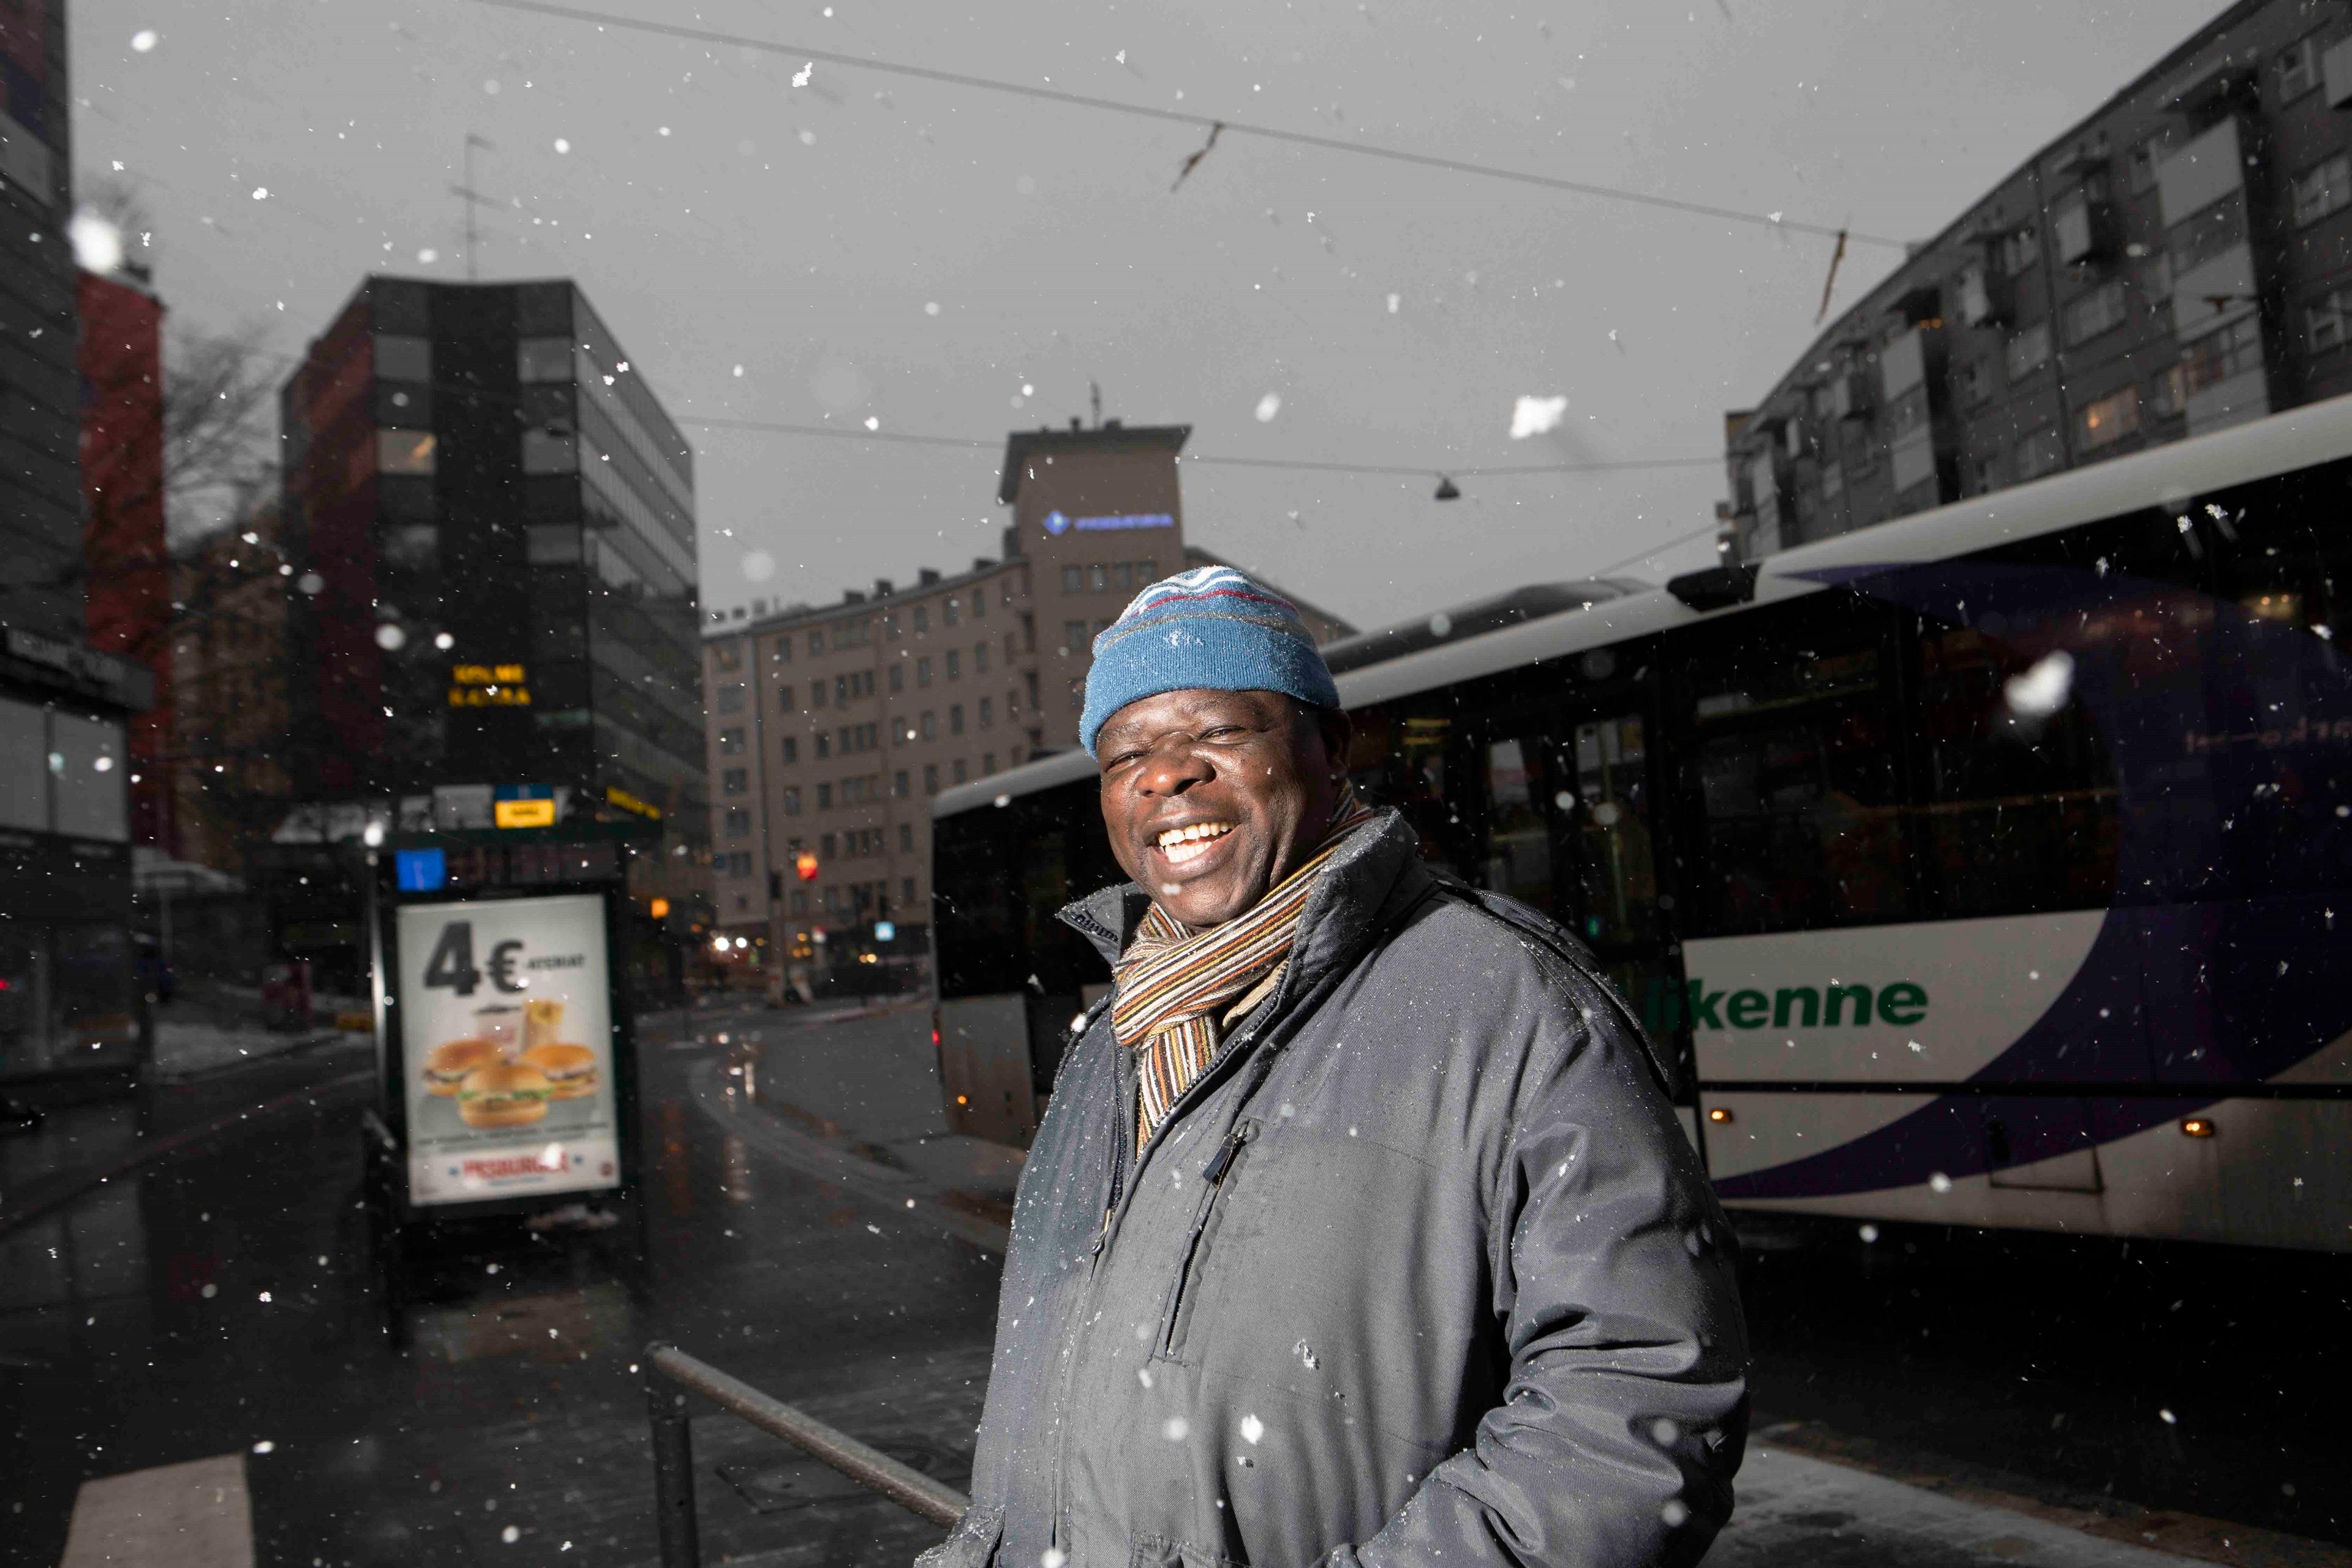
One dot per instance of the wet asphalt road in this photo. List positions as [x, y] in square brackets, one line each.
[224, 1298]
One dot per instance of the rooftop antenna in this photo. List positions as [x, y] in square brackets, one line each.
[1094, 389]
[472, 198]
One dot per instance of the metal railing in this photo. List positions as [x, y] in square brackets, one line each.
[671, 1374]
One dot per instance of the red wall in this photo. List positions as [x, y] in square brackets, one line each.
[128, 607]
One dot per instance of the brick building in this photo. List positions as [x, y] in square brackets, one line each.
[831, 727]
[2178, 261]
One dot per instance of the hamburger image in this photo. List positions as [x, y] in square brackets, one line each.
[569, 1070]
[446, 1065]
[503, 1094]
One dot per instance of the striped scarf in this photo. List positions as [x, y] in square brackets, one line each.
[1175, 985]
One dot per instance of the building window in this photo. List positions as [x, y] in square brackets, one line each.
[2296, 69]
[960, 770]
[403, 451]
[955, 664]
[2038, 454]
[728, 654]
[784, 698]
[987, 763]
[1968, 383]
[730, 697]
[898, 677]
[955, 719]
[979, 601]
[1074, 637]
[931, 778]
[825, 846]
[2170, 393]
[2234, 350]
[979, 658]
[930, 726]
[907, 891]
[800, 900]
[736, 781]
[792, 800]
[2107, 420]
[730, 743]
[1984, 472]
[2324, 188]
[949, 608]
[824, 798]
[1073, 580]
[2028, 351]
[2323, 320]
[2154, 277]
[2102, 310]
[922, 618]
[791, 748]
[739, 821]
[906, 838]
[780, 651]
[824, 744]
[2020, 249]
[923, 670]
[898, 783]
[816, 693]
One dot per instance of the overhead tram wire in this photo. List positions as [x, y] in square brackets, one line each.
[1197, 121]
[778, 427]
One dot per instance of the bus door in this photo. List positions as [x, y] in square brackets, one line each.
[1570, 830]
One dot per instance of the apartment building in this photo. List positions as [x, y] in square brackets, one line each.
[2178, 261]
[831, 727]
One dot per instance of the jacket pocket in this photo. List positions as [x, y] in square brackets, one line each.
[1159, 1551]
[972, 1544]
[1217, 1175]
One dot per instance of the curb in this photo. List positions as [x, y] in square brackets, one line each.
[63, 1188]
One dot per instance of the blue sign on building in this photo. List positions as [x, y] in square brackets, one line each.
[421, 871]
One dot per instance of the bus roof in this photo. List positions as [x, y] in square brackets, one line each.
[2161, 475]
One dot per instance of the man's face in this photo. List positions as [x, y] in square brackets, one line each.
[1212, 797]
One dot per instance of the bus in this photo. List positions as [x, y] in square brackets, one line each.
[1989, 866]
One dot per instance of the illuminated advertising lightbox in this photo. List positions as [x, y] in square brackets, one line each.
[506, 1021]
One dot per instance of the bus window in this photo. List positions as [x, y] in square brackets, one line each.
[1405, 760]
[1796, 794]
[2020, 811]
[1612, 811]
[1519, 826]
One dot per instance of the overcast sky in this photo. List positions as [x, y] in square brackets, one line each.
[721, 217]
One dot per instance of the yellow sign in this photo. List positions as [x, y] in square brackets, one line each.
[524, 812]
[488, 686]
[615, 795]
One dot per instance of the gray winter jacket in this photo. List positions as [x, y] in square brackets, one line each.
[1421, 1271]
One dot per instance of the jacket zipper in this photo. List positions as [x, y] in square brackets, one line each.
[1120, 1128]
[1212, 1175]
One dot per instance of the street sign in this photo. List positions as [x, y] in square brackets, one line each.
[507, 1028]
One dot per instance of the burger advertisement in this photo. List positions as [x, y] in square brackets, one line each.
[507, 1032]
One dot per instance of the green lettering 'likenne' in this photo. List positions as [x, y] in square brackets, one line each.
[1903, 1003]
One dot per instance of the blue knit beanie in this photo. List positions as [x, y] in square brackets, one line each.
[1210, 628]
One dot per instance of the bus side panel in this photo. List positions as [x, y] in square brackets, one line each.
[984, 1068]
[2270, 1173]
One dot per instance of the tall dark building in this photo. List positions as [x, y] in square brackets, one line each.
[2178, 261]
[493, 524]
[67, 1003]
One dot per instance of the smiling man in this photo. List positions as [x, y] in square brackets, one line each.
[1359, 1230]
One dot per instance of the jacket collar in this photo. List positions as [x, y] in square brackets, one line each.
[1374, 872]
